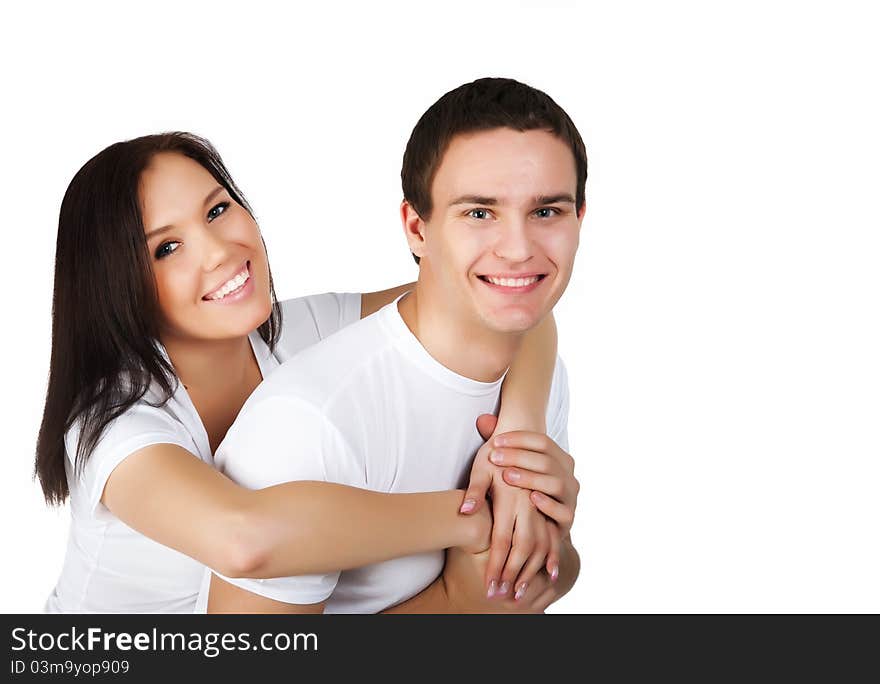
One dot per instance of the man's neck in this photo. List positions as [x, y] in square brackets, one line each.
[465, 347]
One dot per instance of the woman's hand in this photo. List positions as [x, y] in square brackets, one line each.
[534, 461]
[522, 542]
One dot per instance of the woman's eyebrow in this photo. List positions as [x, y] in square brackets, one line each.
[211, 195]
[156, 231]
[216, 191]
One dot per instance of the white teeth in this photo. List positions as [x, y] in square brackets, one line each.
[512, 282]
[230, 285]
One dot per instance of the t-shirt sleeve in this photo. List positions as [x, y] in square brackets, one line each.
[308, 320]
[557, 406]
[140, 426]
[283, 439]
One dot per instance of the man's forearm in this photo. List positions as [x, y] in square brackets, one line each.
[432, 599]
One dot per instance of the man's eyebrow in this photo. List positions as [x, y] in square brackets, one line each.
[474, 199]
[554, 199]
[211, 195]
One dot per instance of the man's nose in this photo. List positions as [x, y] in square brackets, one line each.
[514, 242]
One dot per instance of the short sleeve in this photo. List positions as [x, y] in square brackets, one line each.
[308, 320]
[557, 406]
[281, 439]
[140, 426]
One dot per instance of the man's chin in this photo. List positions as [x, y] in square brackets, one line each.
[513, 322]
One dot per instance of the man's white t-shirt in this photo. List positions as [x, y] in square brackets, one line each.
[110, 567]
[370, 408]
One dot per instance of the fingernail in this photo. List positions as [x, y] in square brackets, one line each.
[496, 457]
[536, 496]
[500, 441]
[492, 588]
[467, 506]
[505, 587]
[513, 475]
[520, 591]
[554, 574]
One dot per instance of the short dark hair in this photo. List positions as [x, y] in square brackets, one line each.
[484, 104]
[105, 310]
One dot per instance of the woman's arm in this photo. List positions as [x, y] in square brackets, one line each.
[296, 528]
[519, 543]
[526, 387]
[371, 302]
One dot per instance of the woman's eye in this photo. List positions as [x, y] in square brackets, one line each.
[217, 210]
[546, 212]
[166, 248]
[478, 213]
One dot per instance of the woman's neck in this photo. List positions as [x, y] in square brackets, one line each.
[207, 365]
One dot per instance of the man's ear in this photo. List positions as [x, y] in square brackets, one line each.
[582, 212]
[413, 228]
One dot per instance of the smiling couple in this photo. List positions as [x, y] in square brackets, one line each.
[211, 452]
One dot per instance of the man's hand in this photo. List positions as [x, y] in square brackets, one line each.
[465, 591]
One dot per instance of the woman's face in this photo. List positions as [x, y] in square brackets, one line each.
[211, 270]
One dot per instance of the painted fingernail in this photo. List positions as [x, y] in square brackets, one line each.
[467, 506]
[554, 574]
[505, 587]
[496, 457]
[513, 475]
[521, 591]
[492, 588]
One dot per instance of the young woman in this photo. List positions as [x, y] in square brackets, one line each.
[164, 321]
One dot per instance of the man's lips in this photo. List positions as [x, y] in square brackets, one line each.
[513, 283]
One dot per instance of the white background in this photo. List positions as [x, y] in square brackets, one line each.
[721, 328]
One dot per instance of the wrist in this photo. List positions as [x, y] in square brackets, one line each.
[464, 531]
[515, 421]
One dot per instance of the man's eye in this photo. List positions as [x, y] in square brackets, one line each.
[217, 210]
[166, 248]
[546, 212]
[479, 213]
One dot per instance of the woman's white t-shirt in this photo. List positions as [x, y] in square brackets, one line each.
[110, 567]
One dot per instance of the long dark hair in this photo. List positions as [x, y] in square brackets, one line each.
[105, 310]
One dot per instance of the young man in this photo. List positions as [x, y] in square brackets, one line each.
[493, 180]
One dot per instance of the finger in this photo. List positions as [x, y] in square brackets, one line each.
[535, 562]
[502, 534]
[535, 461]
[555, 536]
[534, 441]
[481, 480]
[560, 513]
[524, 439]
[486, 425]
[524, 544]
[551, 485]
[536, 598]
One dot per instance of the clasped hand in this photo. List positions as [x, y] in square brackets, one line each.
[531, 483]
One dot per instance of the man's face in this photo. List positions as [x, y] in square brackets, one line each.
[502, 237]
